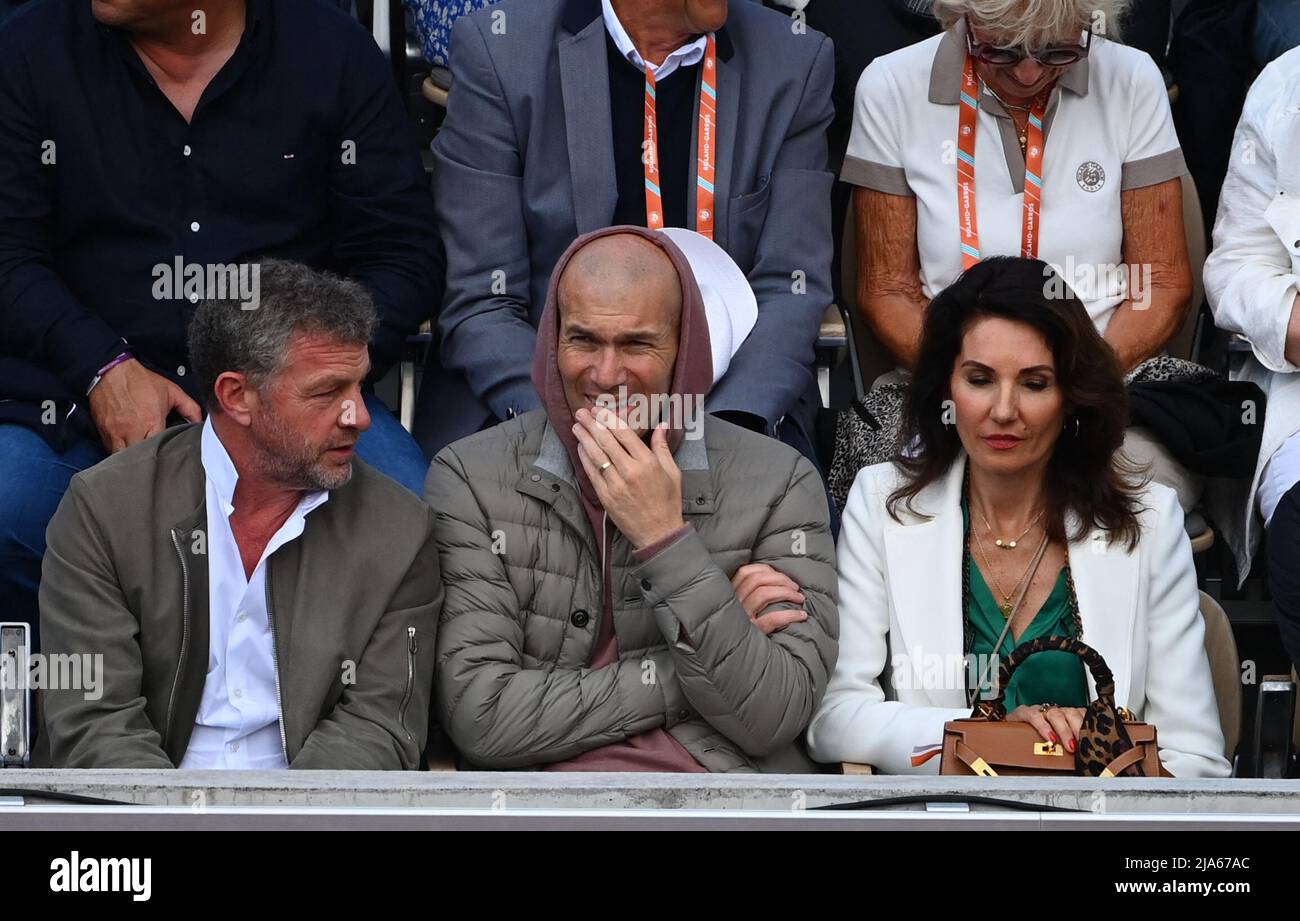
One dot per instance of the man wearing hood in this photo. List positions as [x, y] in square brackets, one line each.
[568, 116]
[628, 591]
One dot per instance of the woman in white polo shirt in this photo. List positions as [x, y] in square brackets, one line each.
[1018, 131]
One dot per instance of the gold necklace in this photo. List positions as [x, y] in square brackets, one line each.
[1021, 132]
[1005, 605]
[1011, 544]
[1007, 105]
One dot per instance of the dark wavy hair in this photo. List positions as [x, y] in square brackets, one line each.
[1084, 475]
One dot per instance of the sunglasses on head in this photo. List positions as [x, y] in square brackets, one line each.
[1053, 56]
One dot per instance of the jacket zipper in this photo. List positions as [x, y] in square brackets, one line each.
[275, 662]
[185, 636]
[412, 646]
[604, 533]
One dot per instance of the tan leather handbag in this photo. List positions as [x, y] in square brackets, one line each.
[1110, 743]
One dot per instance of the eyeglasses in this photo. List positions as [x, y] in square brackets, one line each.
[1054, 56]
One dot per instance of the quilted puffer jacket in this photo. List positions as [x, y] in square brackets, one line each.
[522, 576]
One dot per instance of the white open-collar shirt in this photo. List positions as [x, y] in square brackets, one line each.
[238, 723]
[685, 56]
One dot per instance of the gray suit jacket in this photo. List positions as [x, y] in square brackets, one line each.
[524, 164]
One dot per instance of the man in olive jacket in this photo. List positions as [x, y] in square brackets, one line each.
[628, 591]
[260, 598]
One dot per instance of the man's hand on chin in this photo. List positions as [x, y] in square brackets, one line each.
[639, 487]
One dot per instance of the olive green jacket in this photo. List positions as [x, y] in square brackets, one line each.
[353, 605]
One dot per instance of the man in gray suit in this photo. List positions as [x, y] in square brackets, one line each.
[544, 141]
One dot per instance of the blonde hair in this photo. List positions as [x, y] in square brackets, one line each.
[1035, 23]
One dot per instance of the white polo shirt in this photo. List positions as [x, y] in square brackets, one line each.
[1107, 128]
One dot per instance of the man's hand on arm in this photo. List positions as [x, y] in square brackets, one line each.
[130, 403]
[758, 586]
[641, 489]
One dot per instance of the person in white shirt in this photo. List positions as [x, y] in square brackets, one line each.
[1010, 520]
[238, 723]
[1252, 281]
[1062, 147]
[259, 597]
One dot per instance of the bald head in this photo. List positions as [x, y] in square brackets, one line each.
[620, 267]
[620, 308]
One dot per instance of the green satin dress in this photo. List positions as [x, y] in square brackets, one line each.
[1045, 677]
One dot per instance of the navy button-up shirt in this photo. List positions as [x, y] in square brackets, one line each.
[299, 149]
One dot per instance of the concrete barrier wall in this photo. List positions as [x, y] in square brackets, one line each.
[304, 799]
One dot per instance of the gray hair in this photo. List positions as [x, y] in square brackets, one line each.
[1035, 23]
[291, 298]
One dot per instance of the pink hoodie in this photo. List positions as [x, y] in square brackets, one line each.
[655, 750]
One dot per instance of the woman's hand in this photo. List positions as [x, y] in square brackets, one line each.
[1054, 724]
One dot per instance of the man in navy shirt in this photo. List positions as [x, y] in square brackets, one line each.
[152, 151]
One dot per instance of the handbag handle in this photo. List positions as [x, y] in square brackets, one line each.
[996, 708]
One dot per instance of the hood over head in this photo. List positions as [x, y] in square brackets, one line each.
[692, 376]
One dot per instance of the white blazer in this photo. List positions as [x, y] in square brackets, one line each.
[899, 677]
[1253, 274]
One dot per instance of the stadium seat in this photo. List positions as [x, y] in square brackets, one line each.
[1184, 344]
[412, 362]
[437, 86]
[1225, 670]
[832, 341]
[1271, 750]
[869, 358]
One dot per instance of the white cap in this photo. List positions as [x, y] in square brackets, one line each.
[729, 301]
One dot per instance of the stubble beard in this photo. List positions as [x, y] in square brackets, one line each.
[291, 460]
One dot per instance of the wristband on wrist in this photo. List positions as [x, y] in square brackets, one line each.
[99, 375]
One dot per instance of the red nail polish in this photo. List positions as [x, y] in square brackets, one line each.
[1052, 736]
[1072, 745]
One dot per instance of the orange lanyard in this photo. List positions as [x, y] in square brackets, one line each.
[967, 222]
[705, 151]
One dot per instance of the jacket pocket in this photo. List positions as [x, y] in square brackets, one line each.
[745, 217]
[412, 646]
[722, 756]
[1283, 215]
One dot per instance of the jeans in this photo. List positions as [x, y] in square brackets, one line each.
[390, 449]
[33, 479]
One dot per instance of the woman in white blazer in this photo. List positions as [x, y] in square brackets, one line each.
[1252, 281]
[1010, 497]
